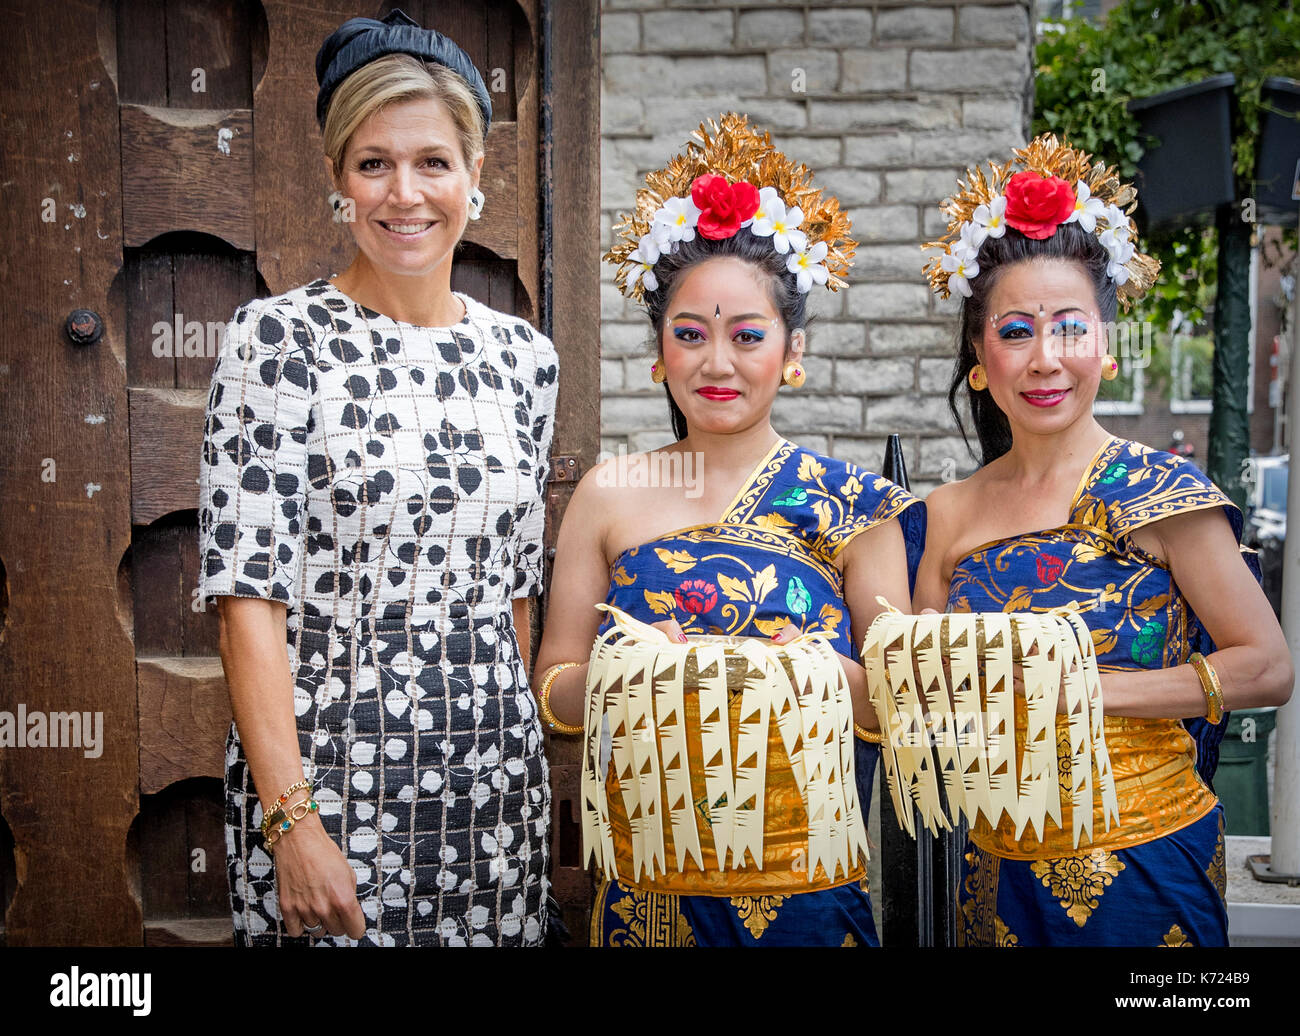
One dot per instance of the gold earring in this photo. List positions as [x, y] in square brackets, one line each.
[657, 374]
[978, 380]
[792, 374]
[1109, 367]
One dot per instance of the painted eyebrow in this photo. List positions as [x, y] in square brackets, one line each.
[733, 320]
[1057, 313]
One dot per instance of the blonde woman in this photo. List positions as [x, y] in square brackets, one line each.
[370, 520]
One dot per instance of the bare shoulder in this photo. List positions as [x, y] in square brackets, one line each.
[950, 499]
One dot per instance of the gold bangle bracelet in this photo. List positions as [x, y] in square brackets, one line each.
[1210, 685]
[874, 737]
[544, 699]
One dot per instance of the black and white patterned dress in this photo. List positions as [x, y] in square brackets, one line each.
[385, 482]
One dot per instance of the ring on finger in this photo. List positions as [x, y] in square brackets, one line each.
[312, 929]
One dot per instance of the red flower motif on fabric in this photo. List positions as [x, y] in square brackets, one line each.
[1050, 568]
[723, 206]
[1037, 205]
[696, 596]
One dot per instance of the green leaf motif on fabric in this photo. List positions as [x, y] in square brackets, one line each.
[1114, 473]
[797, 597]
[1149, 644]
[794, 497]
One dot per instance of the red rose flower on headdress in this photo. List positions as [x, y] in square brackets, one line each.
[723, 206]
[1037, 205]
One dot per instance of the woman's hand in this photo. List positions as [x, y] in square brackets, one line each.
[671, 627]
[315, 883]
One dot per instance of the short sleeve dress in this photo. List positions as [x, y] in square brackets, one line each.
[384, 480]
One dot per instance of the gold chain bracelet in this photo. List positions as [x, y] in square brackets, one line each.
[296, 812]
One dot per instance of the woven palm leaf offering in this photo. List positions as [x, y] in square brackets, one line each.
[722, 754]
[960, 743]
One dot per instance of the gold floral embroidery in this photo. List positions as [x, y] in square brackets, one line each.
[1078, 881]
[1003, 934]
[1176, 937]
[979, 900]
[757, 912]
[652, 919]
[1217, 872]
[848, 940]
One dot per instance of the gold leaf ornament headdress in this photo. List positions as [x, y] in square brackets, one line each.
[1045, 185]
[730, 179]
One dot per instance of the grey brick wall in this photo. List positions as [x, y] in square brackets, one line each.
[898, 99]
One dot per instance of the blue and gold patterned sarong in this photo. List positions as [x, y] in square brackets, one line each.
[1156, 879]
[769, 559]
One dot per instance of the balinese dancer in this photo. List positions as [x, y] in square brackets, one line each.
[770, 540]
[1137, 541]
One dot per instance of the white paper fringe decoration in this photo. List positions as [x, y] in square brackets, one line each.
[636, 690]
[953, 727]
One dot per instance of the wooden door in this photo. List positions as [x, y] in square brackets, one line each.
[170, 169]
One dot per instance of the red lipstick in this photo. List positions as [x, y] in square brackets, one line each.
[719, 394]
[1044, 397]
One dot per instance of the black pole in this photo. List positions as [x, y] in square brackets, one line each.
[1229, 421]
[919, 876]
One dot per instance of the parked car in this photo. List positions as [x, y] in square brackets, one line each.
[1266, 519]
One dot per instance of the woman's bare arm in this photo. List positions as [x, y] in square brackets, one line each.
[315, 883]
[579, 581]
[1252, 659]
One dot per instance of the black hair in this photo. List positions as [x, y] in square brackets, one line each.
[1070, 243]
[788, 300]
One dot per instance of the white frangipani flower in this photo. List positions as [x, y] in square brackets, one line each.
[1121, 250]
[807, 266]
[991, 217]
[1086, 208]
[969, 239]
[677, 217]
[767, 197]
[778, 222]
[1116, 220]
[961, 267]
[645, 256]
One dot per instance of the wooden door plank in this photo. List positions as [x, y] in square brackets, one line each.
[209, 287]
[298, 241]
[166, 440]
[61, 541]
[150, 307]
[190, 932]
[212, 36]
[141, 62]
[529, 216]
[573, 159]
[184, 720]
[187, 170]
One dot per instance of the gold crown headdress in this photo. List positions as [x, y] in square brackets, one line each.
[1045, 185]
[729, 178]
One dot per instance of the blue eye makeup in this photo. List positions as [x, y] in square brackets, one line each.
[688, 333]
[1070, 327]
[750, 335]
[1016, 329]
